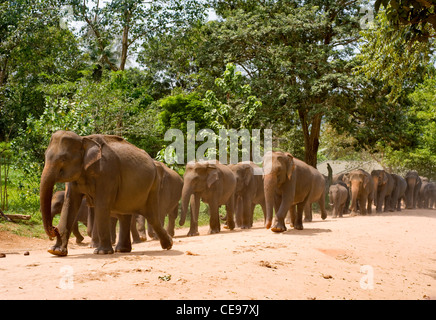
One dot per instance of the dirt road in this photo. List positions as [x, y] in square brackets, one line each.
[383, 256]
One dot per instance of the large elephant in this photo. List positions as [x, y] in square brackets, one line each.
[116, 178]
[383, 187]
[170, 192]
[339, 197]
[362, 190]
[248, 193]
[412, 191]
[399, 191]
[289, 181]
[213, 183]
[57, 202]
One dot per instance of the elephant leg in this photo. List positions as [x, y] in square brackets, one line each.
[230, 212]
[362, 204]
[114, 229]
[172, 216]
[214, 222]
[195, 209]
[248, 211]
[140, 220]
[288, 218]
[152, 216]
[70, 209]
[76, 232]
[239, 211]
[103, 224]
[124, 244]
[92, 229]
[133, 230]
[308, 212]
[298, 216]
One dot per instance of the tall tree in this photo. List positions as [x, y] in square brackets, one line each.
[296, 54]
[121, 25]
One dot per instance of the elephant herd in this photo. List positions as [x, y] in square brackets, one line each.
[386, 191]
[108, 179]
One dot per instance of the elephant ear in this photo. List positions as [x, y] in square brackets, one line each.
[212, 177]
[290, 166]
[248, 175]
[92, 152]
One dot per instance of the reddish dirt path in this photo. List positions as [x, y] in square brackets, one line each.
[387, 256]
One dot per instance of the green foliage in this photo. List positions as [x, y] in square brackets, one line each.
[237, 107]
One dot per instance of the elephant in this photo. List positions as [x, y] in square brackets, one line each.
[57, 202]
[289, 181]
[170, 191]
[412, 191]
[383, 187]
[427, 195]
[213, 183]
[248, 192]
[399, 191]
[116, 177]
[362, 190]
[339, 197]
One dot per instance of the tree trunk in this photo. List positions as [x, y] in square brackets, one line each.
[311, 131]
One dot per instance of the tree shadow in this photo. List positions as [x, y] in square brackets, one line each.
[149, 253]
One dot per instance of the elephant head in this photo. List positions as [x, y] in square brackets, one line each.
[67, 157]
[198, 177]
[358, 184]
[280, 166]
[243, 173]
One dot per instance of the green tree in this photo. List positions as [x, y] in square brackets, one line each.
[115, 29]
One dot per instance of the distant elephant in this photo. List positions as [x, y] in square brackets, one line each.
[116, 178]
[362, 190]
[289, 181]
[170, 192]
[399, 191]
[427, 195]
[412, 191]
[338, 197]
[57, 202]
[248, 193]
[213, 183]
[383, 187]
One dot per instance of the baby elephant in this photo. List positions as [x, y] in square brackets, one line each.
[339, 197]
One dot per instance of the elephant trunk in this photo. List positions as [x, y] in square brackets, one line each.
[45, 195]
[354, 196]
[411, 184]
[186, 195]
[270, 185]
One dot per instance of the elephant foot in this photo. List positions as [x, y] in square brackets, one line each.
[123, 249]
[279, 227]
[58, 251]
[104, 251]
[167, 243]
[298, 226]
[229, 226]
[213, 230]
[268, 224]
[307, 219]
[79, 239]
